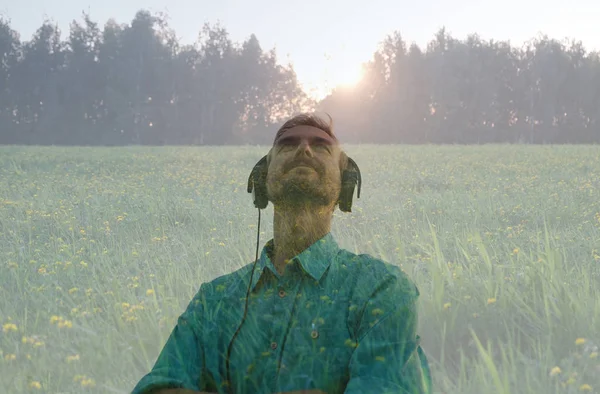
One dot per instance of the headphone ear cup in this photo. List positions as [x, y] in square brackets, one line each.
[350, 178]
[348, 183]
[257, 184]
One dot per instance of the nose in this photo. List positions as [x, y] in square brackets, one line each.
[304, 147]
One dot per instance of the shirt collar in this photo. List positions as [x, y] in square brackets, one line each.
[314, 260]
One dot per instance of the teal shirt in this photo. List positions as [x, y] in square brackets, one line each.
[335, 321]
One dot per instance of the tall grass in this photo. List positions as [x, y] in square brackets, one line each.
[102, 249]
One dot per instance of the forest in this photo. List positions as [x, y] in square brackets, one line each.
[135, 84]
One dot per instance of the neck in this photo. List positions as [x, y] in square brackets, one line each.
[295, 229]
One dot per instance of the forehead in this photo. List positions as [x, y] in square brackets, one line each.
[309, 132]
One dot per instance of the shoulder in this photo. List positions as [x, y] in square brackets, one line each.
[229, 285]
[372, 275]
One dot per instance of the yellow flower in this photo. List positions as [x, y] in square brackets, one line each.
[515, 250]
[9, 327]
[149, 292]
[65, 323]
[585, 387]
[376, 312]
[594, 355]
[73, 358]
[447, 305]
[555, 371]
[35, 385]
[579, 341]
[10, 357]
[88, 383]
[491, 300]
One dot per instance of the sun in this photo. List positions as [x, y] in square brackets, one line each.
[348, 77]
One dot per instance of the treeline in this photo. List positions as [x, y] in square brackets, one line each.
[136, 84]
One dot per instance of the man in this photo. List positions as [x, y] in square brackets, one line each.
[320, 319]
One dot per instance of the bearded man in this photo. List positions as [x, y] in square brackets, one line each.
[319, 318]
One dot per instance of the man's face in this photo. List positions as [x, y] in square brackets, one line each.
[304, 168]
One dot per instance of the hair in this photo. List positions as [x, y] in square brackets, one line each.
[306, 119]
[313, 120]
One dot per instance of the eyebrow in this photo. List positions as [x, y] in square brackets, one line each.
[315, 138]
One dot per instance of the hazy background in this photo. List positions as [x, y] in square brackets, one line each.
[229, 73]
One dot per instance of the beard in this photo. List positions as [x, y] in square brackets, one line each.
[301, 190]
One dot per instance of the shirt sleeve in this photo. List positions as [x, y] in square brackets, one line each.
[386, 359]
[181, 361]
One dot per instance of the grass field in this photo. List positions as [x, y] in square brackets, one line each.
[102, 249]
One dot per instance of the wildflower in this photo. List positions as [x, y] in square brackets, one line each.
[585, 387]
[555, 371]
[35, 385]
[491, 300]
[9, 327]
[149, 292]
[579, 341]
[65, 323]
[447, 305]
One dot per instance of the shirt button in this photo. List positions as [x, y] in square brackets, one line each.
[273, 345]
[281, 293]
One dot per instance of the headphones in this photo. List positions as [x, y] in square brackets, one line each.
[257, 185]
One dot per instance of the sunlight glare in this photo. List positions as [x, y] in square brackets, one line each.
[348, 77]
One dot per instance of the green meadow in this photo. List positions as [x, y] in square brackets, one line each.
[103, 248]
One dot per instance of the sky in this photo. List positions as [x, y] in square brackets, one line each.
[328, 41]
